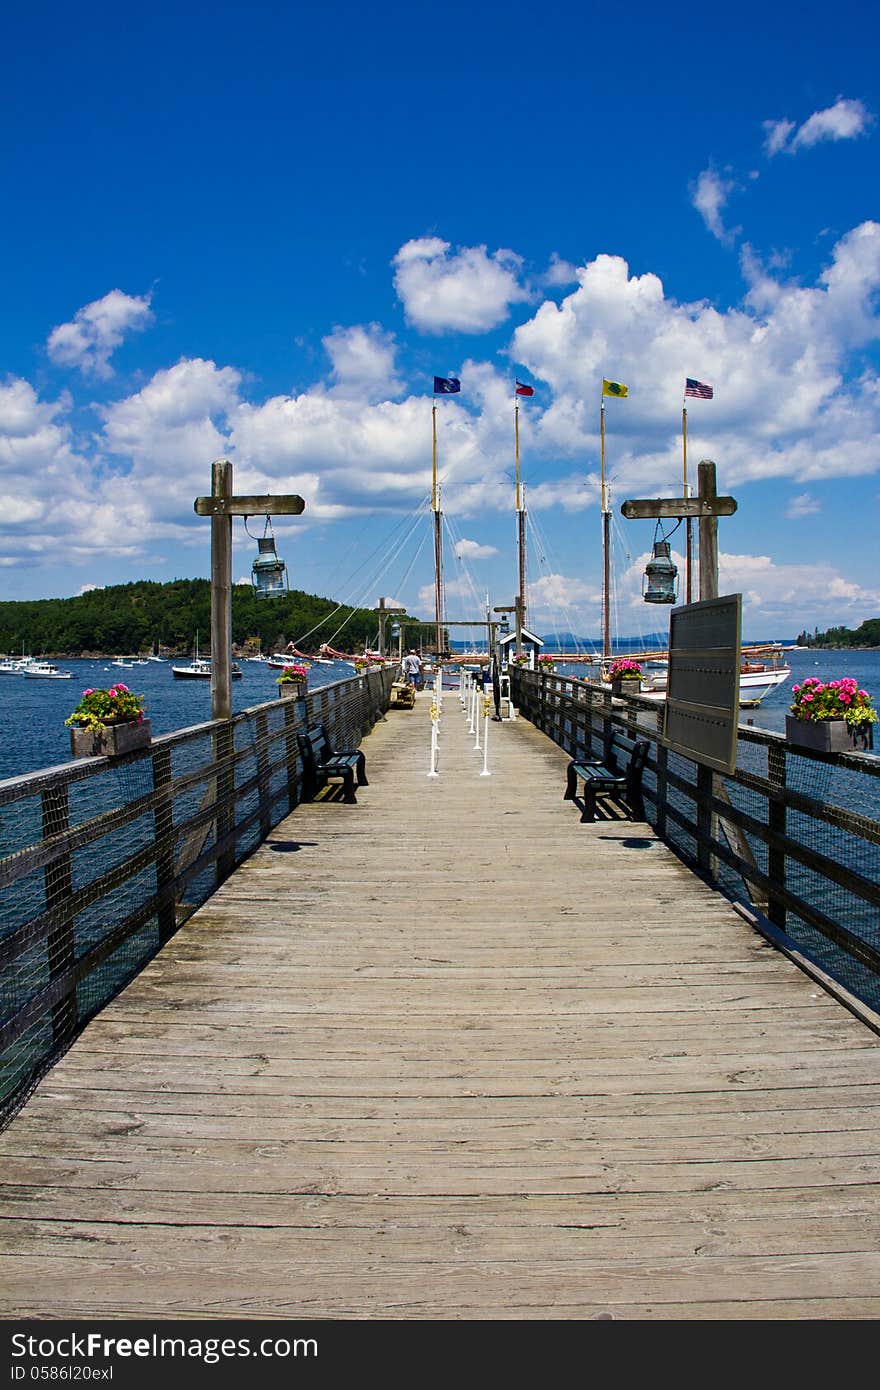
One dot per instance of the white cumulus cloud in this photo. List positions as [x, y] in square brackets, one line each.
[845, 120]
[91, 337]
[472, 550]
[466, 291]
[363, 362]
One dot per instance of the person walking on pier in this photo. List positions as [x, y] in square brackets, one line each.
[412, 668]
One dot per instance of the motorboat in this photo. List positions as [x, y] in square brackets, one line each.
[199, 669]
[45, 671]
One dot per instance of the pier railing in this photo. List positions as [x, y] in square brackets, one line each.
[792, 833]
[103, 858]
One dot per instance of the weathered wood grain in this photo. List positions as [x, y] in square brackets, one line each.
[450, 1053]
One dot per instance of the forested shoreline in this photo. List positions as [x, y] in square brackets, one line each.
[865, 636]
[145, 616]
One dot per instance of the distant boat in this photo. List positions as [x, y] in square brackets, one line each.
[200, 668]
[45, 671]
[15, 665]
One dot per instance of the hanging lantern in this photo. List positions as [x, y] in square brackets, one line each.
[504, 627]
[660, 575]
[268, 572]
[395, 630]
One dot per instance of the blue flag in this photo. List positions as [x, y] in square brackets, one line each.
[446, 385]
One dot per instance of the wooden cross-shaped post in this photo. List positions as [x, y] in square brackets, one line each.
[707, 506]
[221, 507]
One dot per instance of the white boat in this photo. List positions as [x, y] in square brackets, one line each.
[756, 680]
[125, 662]
[278, 660]
[199, 668]
[45, 671]
[15, 665]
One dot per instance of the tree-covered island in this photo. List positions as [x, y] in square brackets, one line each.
[142, 616]
[866, 635]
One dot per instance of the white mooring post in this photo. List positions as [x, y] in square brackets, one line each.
[477, 713]
[486, 707]
[470, 708]
[435, 750]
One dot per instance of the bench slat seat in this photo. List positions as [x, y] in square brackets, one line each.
[608, 774]
[321, 762]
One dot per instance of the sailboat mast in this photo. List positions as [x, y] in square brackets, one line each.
[689, 535]
[520, 521]
[438, 542]
[606, 549]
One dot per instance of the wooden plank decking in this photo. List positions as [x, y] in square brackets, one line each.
[449, 1053]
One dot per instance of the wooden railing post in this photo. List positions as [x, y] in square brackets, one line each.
[705, 778]
[58, 879]
[262, 752]
[224, 744]
[163, 823]
[776, 822]
[662, 790]
[291, 752]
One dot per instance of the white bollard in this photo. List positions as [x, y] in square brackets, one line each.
[470, 708]
[486, 772]
[477, 729]
[435, 751]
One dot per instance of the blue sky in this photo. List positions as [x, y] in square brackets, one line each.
[258, 232]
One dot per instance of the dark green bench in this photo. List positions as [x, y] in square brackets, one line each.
[321, 762]
[619, 770]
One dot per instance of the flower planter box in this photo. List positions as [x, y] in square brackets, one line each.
[292, 690]
[112, 741]
[626, 685]
[829, 735]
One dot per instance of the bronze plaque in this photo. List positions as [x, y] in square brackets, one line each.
[702, 690]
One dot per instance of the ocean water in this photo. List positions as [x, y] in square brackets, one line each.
[32, 712]
[863, 666]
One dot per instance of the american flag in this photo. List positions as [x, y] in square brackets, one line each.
[698, 388]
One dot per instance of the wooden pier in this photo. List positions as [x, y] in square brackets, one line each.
[451, 1054]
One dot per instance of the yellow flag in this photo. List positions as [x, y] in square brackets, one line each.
[613, 388]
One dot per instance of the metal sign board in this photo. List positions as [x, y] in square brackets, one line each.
[702, 692]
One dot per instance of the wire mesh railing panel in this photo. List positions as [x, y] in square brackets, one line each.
[103, 858]
[796, 834]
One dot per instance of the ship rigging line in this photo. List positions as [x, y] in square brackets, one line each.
[409, 521]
